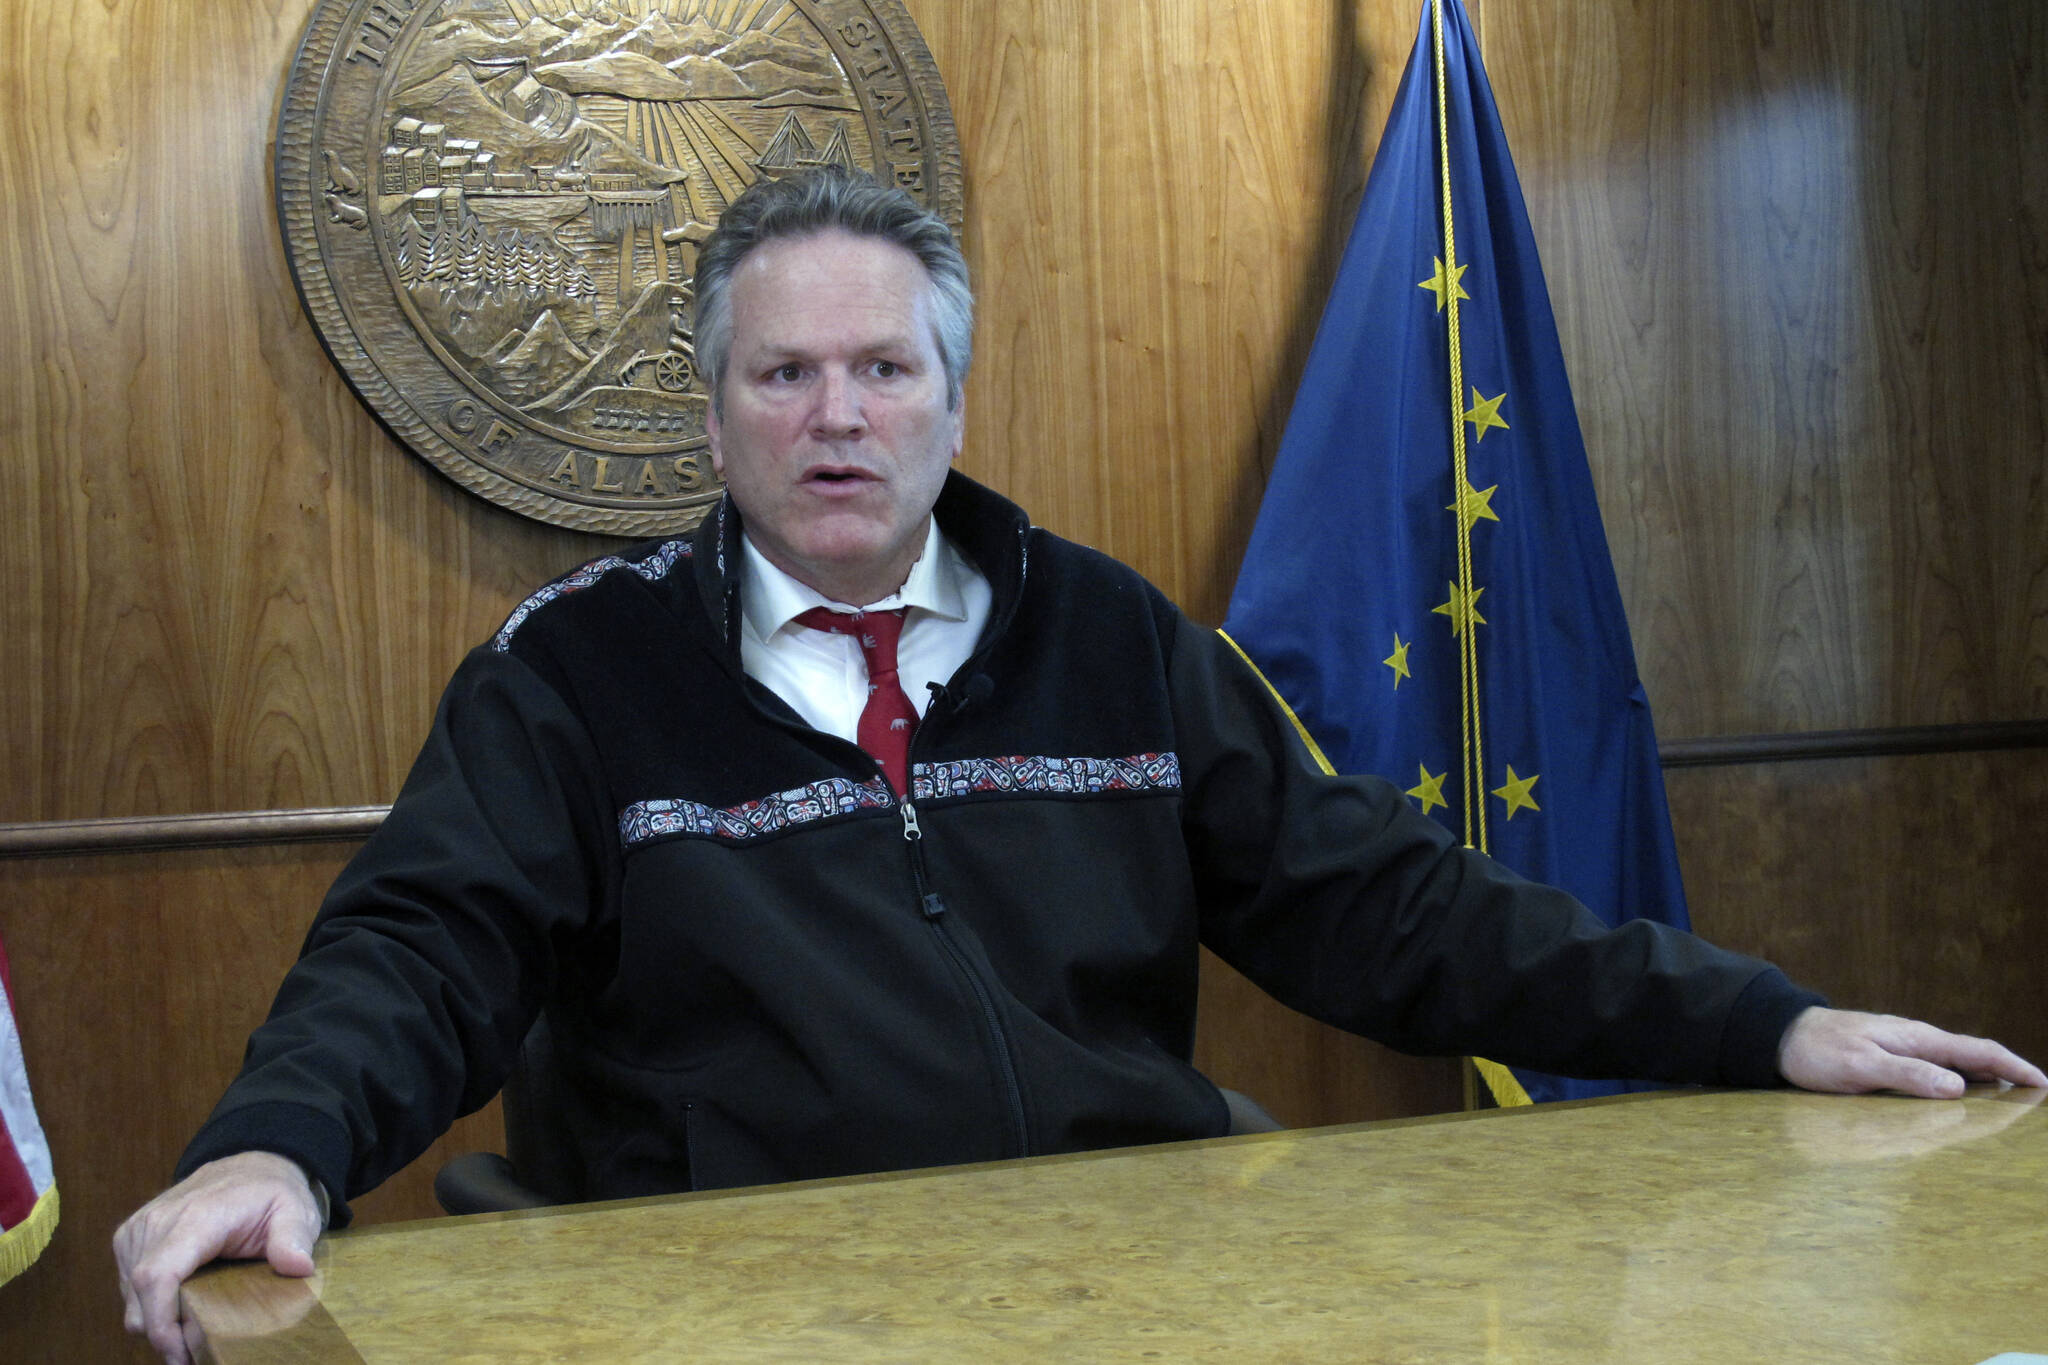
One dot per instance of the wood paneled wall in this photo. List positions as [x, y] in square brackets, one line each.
[1797, 256]
[1907, 884]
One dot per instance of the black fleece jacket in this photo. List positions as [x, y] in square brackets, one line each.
[757, 964]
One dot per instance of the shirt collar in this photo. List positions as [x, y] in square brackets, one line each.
[770, 599]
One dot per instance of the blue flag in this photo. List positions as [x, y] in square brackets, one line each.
[1428, 586]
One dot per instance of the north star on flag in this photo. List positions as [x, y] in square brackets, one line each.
[1428, 586]
[28, 1189]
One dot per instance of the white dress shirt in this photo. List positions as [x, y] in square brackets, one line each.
[822, 674]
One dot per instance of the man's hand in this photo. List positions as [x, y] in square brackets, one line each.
[248, 1205]
[1850, 1053]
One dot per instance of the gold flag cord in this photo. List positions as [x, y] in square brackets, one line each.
[1464, 616]
[1506, 1089]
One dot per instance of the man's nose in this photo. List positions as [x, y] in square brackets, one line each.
[838, 415]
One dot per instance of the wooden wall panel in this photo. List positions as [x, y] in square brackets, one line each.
[137, 978]
[1157, 193]
[1905, 885]
[224, 587]
[1799, 257]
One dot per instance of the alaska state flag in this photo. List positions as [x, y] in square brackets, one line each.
[28, 1190]
[1458, 630]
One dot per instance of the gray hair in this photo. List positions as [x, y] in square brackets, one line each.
[832, 197]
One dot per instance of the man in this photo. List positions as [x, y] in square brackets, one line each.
[799, 897]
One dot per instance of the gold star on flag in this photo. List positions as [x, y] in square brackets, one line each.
[1398, 660]
[1444, 288]
[1430, 791]
[1473, 504]
[1485, 413]
[1516, 792]
[1461, 609]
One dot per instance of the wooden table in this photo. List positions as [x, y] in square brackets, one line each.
[1776, 1227]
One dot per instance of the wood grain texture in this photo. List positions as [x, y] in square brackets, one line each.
[1799, 258]
[1157, 194]
[1906, 885]
[1904, 739]
[226, 586]
[137, 978]
[1692, 1228]
[66, 838]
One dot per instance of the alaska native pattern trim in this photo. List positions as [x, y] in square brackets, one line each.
[655, 567]
[1038, 775]
[644, 820]
[718, 535]
[932, 782]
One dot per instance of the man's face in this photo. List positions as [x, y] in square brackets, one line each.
[834, 436]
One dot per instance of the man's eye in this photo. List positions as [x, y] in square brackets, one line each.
[789, 374]
[887, 368]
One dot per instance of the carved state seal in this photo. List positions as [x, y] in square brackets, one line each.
[492, 210]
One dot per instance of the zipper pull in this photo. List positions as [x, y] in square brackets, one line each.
[933, 906]
[910, 828]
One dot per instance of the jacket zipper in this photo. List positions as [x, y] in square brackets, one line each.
[930, 904]
[933, 908]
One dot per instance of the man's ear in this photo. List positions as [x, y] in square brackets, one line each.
[711, 431]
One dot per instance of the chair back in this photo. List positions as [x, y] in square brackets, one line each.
[537, 1139]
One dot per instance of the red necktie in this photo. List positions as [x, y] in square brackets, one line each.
[888, 720]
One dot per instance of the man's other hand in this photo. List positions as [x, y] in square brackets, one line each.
[248, 1205]
[1849, 1053]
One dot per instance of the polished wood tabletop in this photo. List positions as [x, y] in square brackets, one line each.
[1729, 1226]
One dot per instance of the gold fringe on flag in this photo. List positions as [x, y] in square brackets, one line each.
[22, 1243]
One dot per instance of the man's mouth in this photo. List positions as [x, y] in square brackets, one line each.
[837, 475]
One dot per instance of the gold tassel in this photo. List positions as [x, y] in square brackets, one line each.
[22, 1243]
[1507, 1091]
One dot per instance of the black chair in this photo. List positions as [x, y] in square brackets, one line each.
[535, 1171]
